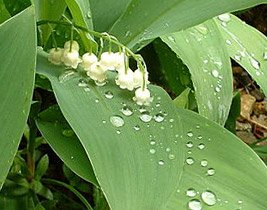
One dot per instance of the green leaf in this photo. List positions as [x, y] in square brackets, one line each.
[130, 162]
[239, 179]
[48, 10]
[65, 143]
[247, 46]
[18, 203]
[17, 82]
[41, 167]
[106, 12]
[4, 14]
[146, 19]
[16, 6]
[209, 66]
[81, 13]
[182, 100]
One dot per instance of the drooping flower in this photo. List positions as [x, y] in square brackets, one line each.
[87, 60]
[138, 78]
[142, 97]
[97, 72]
[119, 60]
[108, 59]
[125, 80]
[55, 55]
[71, 57]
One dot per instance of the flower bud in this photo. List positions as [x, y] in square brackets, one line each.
[55, 55]
[74, 46]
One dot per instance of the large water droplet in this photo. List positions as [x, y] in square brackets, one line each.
[194, 204]
[191, 192]
[67, 75]
[254, 63]
[68, 132]
[209, 198]
[161, 162]
[211, 171]
[217, 89]
[109, 95]
[116, 120]
[203, 163]
[201, 146]
[127, 110]
[189, 160]
[190, 134]
[215, 73]
[224, 17]
[159, 117]
[145, 116]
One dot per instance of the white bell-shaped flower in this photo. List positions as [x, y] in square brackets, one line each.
[142, 97]
[119, 60]
[74, 45]
[97, 72]
[87, 60]
[138, 78]
[125, 79]
[108, 59]
[55, 55]
[71, 58]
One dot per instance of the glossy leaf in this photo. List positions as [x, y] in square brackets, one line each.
[17, 82]
[247, 46]
[209, 66]
[4, 14]
[217, 162]
[65, 143]
[81, 13]
[148, 19]
[130, 167]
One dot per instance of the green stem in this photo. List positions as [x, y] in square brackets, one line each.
[31, 152]
[70, 188]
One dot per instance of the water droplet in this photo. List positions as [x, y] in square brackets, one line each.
[128, 33]
[152, 151]
[228, 42]
[152, 142]
[254, 63]
[209, 198]
[68, 132]
[89, 16]
[116, 120]
[237, 57]
[189, 144]
[159, 117]
[211, 171]
[171, 38]
[239, 202]
[104, 121]
[145, 116]
[190, 134]
[71, 157]
[100, 84]
[189, 160]
[202, 29]
[215, 73]
[97, 100]
[171, 120]
[191, 192]
[224, 17]
[199, 137]
[203, 163]
[118, 132]
[217, 89]
[157, 104]
[127, 110]
[67, 75]
[171, 156]
[194, 205]
[197, 126]
[201, 146]
[168, 149]
[109, 95]
[82, 83]
[265, 55]
[161, 162]
[137, 127]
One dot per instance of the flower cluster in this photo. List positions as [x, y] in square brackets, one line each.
[96, 68]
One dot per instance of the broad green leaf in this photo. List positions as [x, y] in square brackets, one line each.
[16, 6]
[81, 13]
[106, 12]
[4, 14]
[247, 46]
[182, 100]
[48, 10]
[131, 158]
[148, 19]
[17, 82]
[218, 162]
[201, 49]
[65, 143]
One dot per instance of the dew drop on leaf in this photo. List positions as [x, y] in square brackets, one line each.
[86, 89]
[255, 64]
[228, 42]
[161, 162]
[211, 171]
[237, 57]
[152, 142]
[137, 127]
[145, 116]
[159, 117]
[116, 121]
[127, 110]
[204, 163]
[194, 204]
[201, 146]
[100, 84]
[191, 192]
[172, 39]
[209, 198]
[152, 151]
[109, 95]
[190, 134]
[189, 144]
[171, 156]
[82, 83]
[189, 160]
[224, 17]
[265, 55]
[215, 73]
